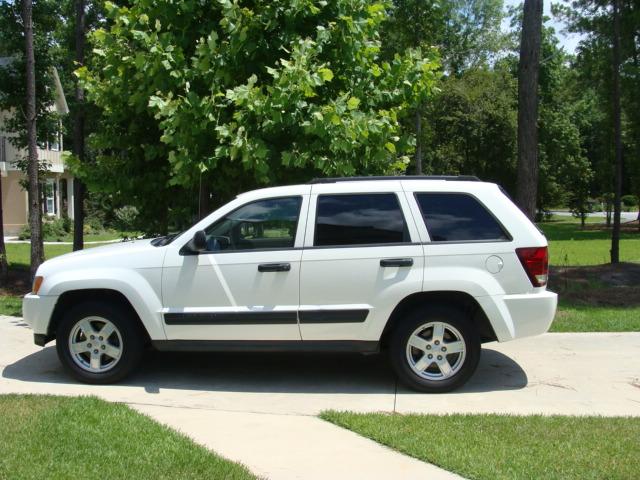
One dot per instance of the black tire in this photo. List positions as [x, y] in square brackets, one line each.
[415, 319]
[130, 332]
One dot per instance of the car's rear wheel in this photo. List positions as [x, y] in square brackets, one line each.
[435, 349]
[99, 342]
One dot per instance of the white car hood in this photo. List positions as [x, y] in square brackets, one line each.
[133, 254]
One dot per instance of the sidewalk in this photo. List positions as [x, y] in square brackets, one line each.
[288, 447]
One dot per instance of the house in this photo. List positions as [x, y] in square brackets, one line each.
[57, 186]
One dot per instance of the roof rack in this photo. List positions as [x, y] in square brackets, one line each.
[453, 178]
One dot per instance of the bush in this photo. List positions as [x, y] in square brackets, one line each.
[126, 218]
[52, 230]
[629, 201]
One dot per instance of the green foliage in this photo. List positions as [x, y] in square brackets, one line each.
[629, 201]
[239, 96]
[12, 73]
[52, 230]
[471, 126]
[126, 218]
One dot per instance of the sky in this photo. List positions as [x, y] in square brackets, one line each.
[568, 40]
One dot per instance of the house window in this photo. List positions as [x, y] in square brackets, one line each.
[50, 197]
[54, 144]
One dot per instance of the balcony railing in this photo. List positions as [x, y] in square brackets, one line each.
[9, 155]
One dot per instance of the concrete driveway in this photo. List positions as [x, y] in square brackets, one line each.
[560, 373]
[259, 409]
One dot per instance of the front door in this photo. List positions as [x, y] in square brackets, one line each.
[245, 286]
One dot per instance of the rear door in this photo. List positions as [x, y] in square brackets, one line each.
[361, 257]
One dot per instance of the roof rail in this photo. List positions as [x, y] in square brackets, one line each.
[453, 178]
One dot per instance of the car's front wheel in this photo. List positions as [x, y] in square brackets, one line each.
[435, 349]
[98, 342]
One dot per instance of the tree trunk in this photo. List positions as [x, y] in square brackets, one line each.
[617, 128]
[35, 214]
[528, 71]
[78, 132]
[418, 156]
[4, 266]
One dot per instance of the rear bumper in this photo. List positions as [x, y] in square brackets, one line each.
[518, 316]
[37, 311]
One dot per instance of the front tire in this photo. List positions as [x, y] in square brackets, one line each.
[99, 343]
[435, 349]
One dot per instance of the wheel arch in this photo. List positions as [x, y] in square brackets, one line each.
[451, 298]
[71, 298]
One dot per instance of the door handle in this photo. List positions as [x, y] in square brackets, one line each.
[396, 262]
[274, 267]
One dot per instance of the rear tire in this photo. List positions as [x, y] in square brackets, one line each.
[435, 349]
[99, 343]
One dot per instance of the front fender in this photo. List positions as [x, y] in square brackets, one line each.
[141, 288]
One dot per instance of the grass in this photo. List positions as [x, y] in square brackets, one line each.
[18, 254]
[571, 245]
[10, 305]
[496, 447]
[84, 437]
[587, 318]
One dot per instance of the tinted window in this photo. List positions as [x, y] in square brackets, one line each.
[359, 220]
[270, 223]
[452, 217]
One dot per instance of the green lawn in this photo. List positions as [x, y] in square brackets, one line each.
[492, 447]
[62, 437]
[18, 254]
[586, 318]
[570, 245]
[10, 305]
[18, 257]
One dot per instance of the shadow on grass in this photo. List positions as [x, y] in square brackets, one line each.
[268, 372]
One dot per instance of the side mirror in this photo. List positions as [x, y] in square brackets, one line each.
[199, 241]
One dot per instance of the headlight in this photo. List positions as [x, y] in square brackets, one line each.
[36, 285]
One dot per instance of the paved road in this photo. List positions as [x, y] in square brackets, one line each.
[257, 408]
[624, 216]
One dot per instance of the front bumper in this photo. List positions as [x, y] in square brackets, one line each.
[36, 312]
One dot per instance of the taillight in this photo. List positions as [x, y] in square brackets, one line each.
[535, 261]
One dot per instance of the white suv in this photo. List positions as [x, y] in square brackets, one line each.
[427, 268]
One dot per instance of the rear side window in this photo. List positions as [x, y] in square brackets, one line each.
[359, 219]
[457, 217]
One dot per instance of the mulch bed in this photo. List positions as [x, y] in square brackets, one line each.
[601, 285]
[18, 283]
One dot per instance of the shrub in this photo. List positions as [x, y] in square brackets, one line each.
[126, 218]
[629, 201]
[52, 230]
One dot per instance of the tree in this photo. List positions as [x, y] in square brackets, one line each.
[528, 71]
[608, 50]
[26, 94]
[617, 128]
[471, 126]
[78, 129]
[244, 96]
[35, 213]
[4, 266]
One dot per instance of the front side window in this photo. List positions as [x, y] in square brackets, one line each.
[260, 225]
[359, 219]
[458, 217]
